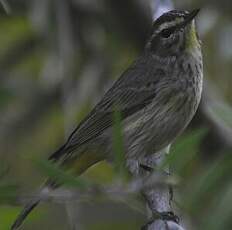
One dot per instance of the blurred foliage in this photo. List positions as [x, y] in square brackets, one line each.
[56, 58]
[203, 186]
[119, 161]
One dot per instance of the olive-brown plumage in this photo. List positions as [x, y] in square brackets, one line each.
[157, 96]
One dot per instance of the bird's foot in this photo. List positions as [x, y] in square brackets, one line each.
[165, 216]
[168, 216]
[146, 168]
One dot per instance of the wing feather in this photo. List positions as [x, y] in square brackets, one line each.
[129, 94]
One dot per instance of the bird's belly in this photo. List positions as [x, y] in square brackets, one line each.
[154, 128]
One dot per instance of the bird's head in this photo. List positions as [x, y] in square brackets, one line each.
[174, 32]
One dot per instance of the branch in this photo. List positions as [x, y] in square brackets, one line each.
[6, 6]
[119, 191]
[158, 198]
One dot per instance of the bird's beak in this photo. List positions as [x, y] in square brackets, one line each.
[189, 18]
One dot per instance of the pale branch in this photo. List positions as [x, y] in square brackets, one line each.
[158, 198]
[6, 6]
[119, 190]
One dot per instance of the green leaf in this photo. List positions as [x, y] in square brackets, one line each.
[184, 150]
[208, 183]
[8, 215]
[5, 97]
[14, 30]
[8, 193]
[60, 176]
[119, 159]
[221, 211]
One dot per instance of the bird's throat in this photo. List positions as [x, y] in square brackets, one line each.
[192, 41]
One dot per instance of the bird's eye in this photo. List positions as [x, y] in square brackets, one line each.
[166, 33]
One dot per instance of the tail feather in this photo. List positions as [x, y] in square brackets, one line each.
[34, 202]
[80, 165]
[24, 213]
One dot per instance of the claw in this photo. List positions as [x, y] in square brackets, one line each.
[165, 216]
[146, 168]
[169, 216]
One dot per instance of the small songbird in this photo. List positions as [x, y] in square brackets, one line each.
[157, 96]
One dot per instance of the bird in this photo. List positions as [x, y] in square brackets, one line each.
[157, 96]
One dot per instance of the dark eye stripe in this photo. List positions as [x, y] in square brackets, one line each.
[167, 32]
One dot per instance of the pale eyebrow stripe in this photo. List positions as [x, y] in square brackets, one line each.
[169, 24]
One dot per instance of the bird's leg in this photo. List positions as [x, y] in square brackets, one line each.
[168, 216]
[146, 168]
[171, 195]
[147, 165]
[158, 197]
[133, 166]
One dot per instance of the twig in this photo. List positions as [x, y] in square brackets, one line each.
[158, 198]
[6, 6]
[119, 191]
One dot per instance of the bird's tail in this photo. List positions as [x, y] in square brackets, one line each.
[24, 213]
[34, 202]
[79, 165]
